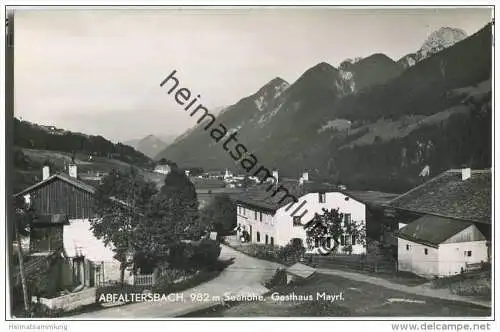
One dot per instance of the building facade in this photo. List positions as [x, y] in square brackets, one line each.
[65, 204]
[444, 224]
[276, 224]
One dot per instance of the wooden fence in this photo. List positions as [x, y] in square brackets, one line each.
[146, 279]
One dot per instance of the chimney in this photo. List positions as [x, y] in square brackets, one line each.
[275, 175]
[466, 173]
[72, 170]
[45, 172]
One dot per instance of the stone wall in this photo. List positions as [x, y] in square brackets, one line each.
[71, 301]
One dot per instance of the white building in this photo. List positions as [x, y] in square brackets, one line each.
[162, 169]
[269, 221]
[437, 246]
[444, 224]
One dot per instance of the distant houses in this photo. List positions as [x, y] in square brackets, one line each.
[444, 224]
[64, 204]
[162, 169]
[268, 220]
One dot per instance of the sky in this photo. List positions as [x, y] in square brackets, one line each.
[99, 71]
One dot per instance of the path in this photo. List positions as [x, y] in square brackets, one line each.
[423, 290]
[246, 274]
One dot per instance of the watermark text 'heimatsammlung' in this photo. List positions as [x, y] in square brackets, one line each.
[217, 131]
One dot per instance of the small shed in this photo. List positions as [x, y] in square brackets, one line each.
[299, 271]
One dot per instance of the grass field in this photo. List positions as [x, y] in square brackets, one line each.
[359, 299]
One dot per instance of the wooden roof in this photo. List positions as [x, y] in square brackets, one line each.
[447, 195]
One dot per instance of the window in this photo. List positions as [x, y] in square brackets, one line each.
[345, 240]
[329, 242]
[272, 241]
[353, 240]
[426, 251]
[239, 209]
[322, 197]
[267, 239]
[296, 221]
[407, 247]
[316, 242]
[244, 211]
[468, 253]
[255, 215]
[347, 218]
[258, 236]
[260, 216]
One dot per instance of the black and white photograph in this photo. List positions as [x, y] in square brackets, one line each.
[249, 162]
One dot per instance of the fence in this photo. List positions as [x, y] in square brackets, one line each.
[353, 262]
[145, 279]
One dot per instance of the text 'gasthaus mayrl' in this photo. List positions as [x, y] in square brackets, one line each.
[139, 297]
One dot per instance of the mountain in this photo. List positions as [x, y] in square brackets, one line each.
[370, 123]
[36, 145]
[436, 42]
[270, 113]
[149, 145]
[33, 136]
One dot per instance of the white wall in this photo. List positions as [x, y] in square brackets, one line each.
[415, 260]
[246, 217]
[79, 235]
[453, 256]
[447, 259]
[284, 221]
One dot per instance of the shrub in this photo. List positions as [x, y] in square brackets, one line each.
[41, 310]
[190, 256]
[292, 252]
[206, 252]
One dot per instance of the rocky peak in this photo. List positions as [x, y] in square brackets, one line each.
[436, 42]
[269, 92]
[439, 40]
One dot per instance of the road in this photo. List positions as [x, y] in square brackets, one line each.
[423, 290]
[245, 275]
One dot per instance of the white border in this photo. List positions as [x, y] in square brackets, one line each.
[359, 323]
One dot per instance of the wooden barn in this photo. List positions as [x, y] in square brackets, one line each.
[64, 204]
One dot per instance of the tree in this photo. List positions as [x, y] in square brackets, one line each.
[172, 215]
[120, 202]
[220, 215]
[24, 216]
[331, 224]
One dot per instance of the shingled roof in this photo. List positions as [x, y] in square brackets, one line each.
[258, 196]
[370, 197]
[432, 230]
[447, 195]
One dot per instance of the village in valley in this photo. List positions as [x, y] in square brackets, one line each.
[372, 214]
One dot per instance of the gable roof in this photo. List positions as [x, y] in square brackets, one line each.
[370, 197]
[260, 197]
[432, 230]
[59, 176]
[76, 183]
[447, 195]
